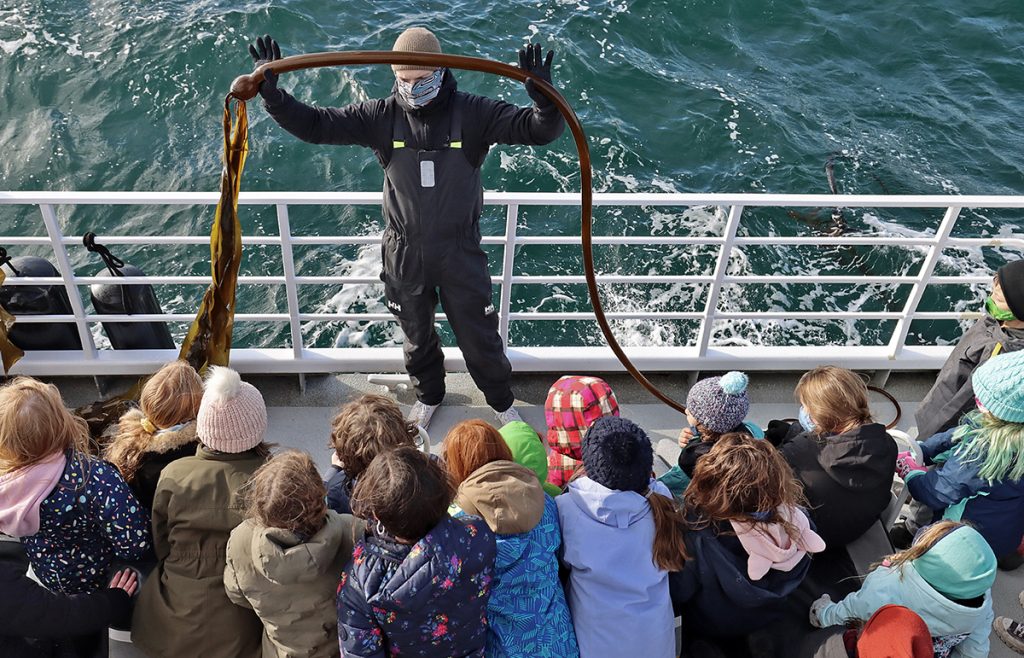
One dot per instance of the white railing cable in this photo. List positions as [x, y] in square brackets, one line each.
[721, 265]
[301, 358]
[899, 335]
[67, 272]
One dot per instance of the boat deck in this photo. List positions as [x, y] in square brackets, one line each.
[302, 420]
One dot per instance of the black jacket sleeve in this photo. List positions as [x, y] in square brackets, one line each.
[27, 609]
[498, 122]
[361, 124]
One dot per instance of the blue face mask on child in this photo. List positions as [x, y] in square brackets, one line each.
[805, 420]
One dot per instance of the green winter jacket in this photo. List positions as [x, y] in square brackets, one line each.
[529, 450]
[291, 584]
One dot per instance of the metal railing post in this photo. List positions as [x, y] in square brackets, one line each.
[284, 230]
[899, 335]
[508, 262]
[711, 308]
[67, 272]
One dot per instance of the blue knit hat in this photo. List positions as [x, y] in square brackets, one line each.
[961, 565]
[719, 403]
[999, 386]
[618, 454]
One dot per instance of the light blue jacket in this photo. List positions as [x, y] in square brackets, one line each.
[618, 597]
[904, 586]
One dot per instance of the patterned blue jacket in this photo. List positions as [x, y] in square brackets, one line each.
[427, 599]
[527, 611]
[89, 521]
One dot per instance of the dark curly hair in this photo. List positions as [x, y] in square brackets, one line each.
[287, 492]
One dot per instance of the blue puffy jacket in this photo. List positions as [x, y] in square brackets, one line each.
[424, 599]
[996, 509]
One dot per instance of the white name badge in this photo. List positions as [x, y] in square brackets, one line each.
[427, 173]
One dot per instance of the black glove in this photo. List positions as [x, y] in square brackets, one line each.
[530, 61]
[266, 50]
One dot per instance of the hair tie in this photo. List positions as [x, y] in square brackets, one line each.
[148, 425]
[380, 529]
[647, 493]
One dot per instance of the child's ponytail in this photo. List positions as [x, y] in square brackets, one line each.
[669, 548]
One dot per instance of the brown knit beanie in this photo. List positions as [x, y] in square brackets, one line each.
[415, 39]
[232, 416]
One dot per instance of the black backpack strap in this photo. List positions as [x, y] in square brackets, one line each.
[455, 130]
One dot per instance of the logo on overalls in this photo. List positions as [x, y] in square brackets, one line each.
[394, 306]
[489, 309]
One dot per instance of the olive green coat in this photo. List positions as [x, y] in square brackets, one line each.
[183, 609]
[291, 584]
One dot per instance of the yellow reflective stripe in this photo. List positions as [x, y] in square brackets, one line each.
[998, 348]
[398, 144]
[456, 145]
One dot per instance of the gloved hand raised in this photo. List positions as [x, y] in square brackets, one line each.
[906, 464]
[531, 62]
[266, 50]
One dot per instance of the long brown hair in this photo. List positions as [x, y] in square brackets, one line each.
[739, 477]
[365, 427]
[287, 492]
[835, 398]
[405, 491]
[669, 550]
[170, 397]
[471, 444]
[35, 424]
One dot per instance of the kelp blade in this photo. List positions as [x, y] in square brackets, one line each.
[208, 341]
[9, 352]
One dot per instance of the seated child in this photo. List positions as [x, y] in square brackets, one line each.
[846, 461]
[747, 538]
[573, 404]
[893, 631]
[622, 536]
[283, 561]
[1000, 331]
[419, 581]
[361, 430]
[74, 514]
[160, 431]
[528, 450]
[527, 614]
[979, 465]
[714, 406]
[39, 623]
[183, 609]
[945, 577]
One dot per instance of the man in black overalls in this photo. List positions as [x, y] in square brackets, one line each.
[431, 140]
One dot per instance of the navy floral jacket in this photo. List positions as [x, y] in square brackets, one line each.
[425, 599]
[90, 520]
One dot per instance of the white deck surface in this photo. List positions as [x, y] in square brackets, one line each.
[302, 420]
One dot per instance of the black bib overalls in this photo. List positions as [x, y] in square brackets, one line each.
[431, 250]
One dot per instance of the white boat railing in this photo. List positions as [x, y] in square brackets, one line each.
[701, 355]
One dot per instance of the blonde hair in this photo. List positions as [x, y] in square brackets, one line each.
[35, 424]
[170, 397]
[922, 544]
[366, 427]
[287, 492]
[835, 398]
[996, 444]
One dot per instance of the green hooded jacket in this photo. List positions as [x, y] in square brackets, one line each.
[529, 450]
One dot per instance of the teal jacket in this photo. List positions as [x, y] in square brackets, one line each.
[957, 631]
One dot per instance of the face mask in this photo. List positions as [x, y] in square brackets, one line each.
[996, 312]
[421, 92]
[805, 420]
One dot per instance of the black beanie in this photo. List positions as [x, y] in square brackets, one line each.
[1011, 281]
[618, 454]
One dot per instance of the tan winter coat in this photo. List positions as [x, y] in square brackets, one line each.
[182, 609]
[291, 584]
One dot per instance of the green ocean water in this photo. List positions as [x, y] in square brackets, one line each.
[675, 95]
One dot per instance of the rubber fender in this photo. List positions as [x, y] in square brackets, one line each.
[112, 299]
[39, 300]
